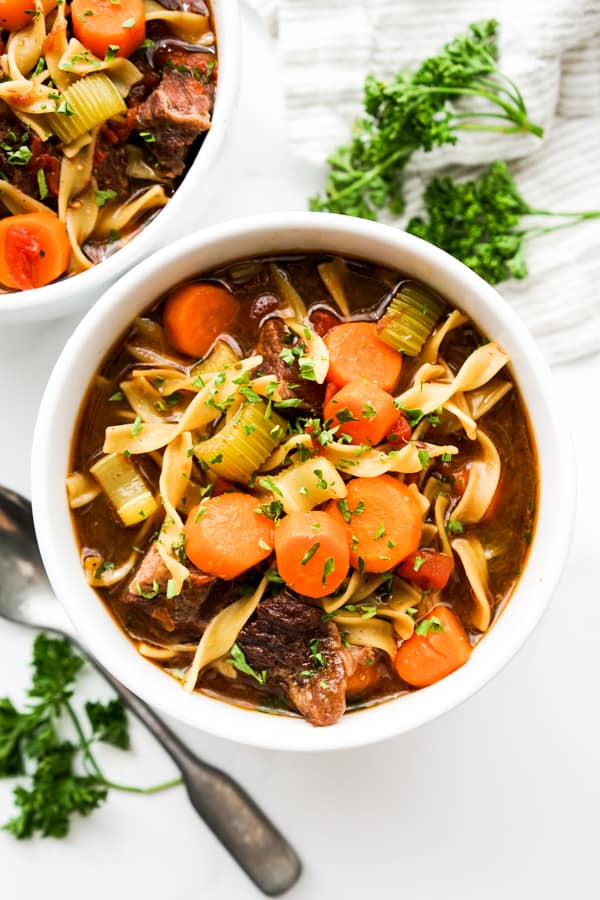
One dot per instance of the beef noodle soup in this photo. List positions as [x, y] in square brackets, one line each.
[304, 484]
[102, 109]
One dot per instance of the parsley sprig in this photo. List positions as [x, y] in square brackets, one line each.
[62, 772]
[416, 111]
[479, 222]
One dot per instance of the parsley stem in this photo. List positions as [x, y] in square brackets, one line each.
[153, 789]
[83, 742]
[372, 173]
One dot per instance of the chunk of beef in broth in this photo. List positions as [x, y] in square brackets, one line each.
[275, 336]
[179, 109]
[158, 618]
[302, 654]
[110, 164]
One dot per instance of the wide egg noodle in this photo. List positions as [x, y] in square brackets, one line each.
[484, 476]
[334, 275]
[116, 216]
[55, 47]
[78, 60]
[472, 557]
[75, 175]
[483, 399]
[222, 632]
[316, 350]
[479, 367]
[203, 409]
[360, 462]
[143, 398]
[431, 349]
[80, 219]
[25, 46]
[187, 26]
[295, 310]
[81, 489]
[17, 202]
[368, 633]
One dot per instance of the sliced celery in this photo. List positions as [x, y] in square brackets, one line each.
[89, 102]
[410, 318]
[242, 444]
[125, 488]
[222, 355]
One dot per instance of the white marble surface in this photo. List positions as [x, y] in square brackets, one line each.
[499, 799]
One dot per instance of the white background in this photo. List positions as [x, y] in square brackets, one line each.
[499, 799]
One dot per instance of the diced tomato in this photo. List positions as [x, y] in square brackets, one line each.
[322, 321]
[428, 569]
[222, 486]
[400, 432]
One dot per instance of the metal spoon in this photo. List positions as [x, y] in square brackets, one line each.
[26, 597]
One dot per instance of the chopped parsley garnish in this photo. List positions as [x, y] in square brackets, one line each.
[427, 626]
[150, 594]
[423, 458]
[418, 562]
[328, 568]
[344, 509]
[137, 426]
[42, 184]
[103, 196]
[310, 553]
[238, 661]
[454, 526]
[116, 397]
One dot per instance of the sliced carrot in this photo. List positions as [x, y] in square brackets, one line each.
[196, 314]
[109, 26]
[385, 522]
[312, 553]
[225, 535]
[331, 390]
[443, 647]
[355, 351]
[34, 250]
[428, 569]
[363, 411]
[16, 14]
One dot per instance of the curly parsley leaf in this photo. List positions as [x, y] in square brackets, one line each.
[415, 111]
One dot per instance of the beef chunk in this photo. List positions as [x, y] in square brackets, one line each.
[110, 163]
[279, 637]
[179, 109]
[274, 336]
[160, 618]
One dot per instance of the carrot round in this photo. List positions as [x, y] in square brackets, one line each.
[385, 522]
[442, 647]
[16, 14]
[312, 553]
[225, 535]
[118, 26]
[196, 314]
[34, 250]
[355, 351]
[363, 411]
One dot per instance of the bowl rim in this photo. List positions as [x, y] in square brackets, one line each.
[60, 297]
[316, 230]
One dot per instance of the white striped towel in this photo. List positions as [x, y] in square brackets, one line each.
[551, 48]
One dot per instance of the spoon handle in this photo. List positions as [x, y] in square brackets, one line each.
[243, 829]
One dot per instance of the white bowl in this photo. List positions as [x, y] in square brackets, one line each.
[179, 217]
[273, 234]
